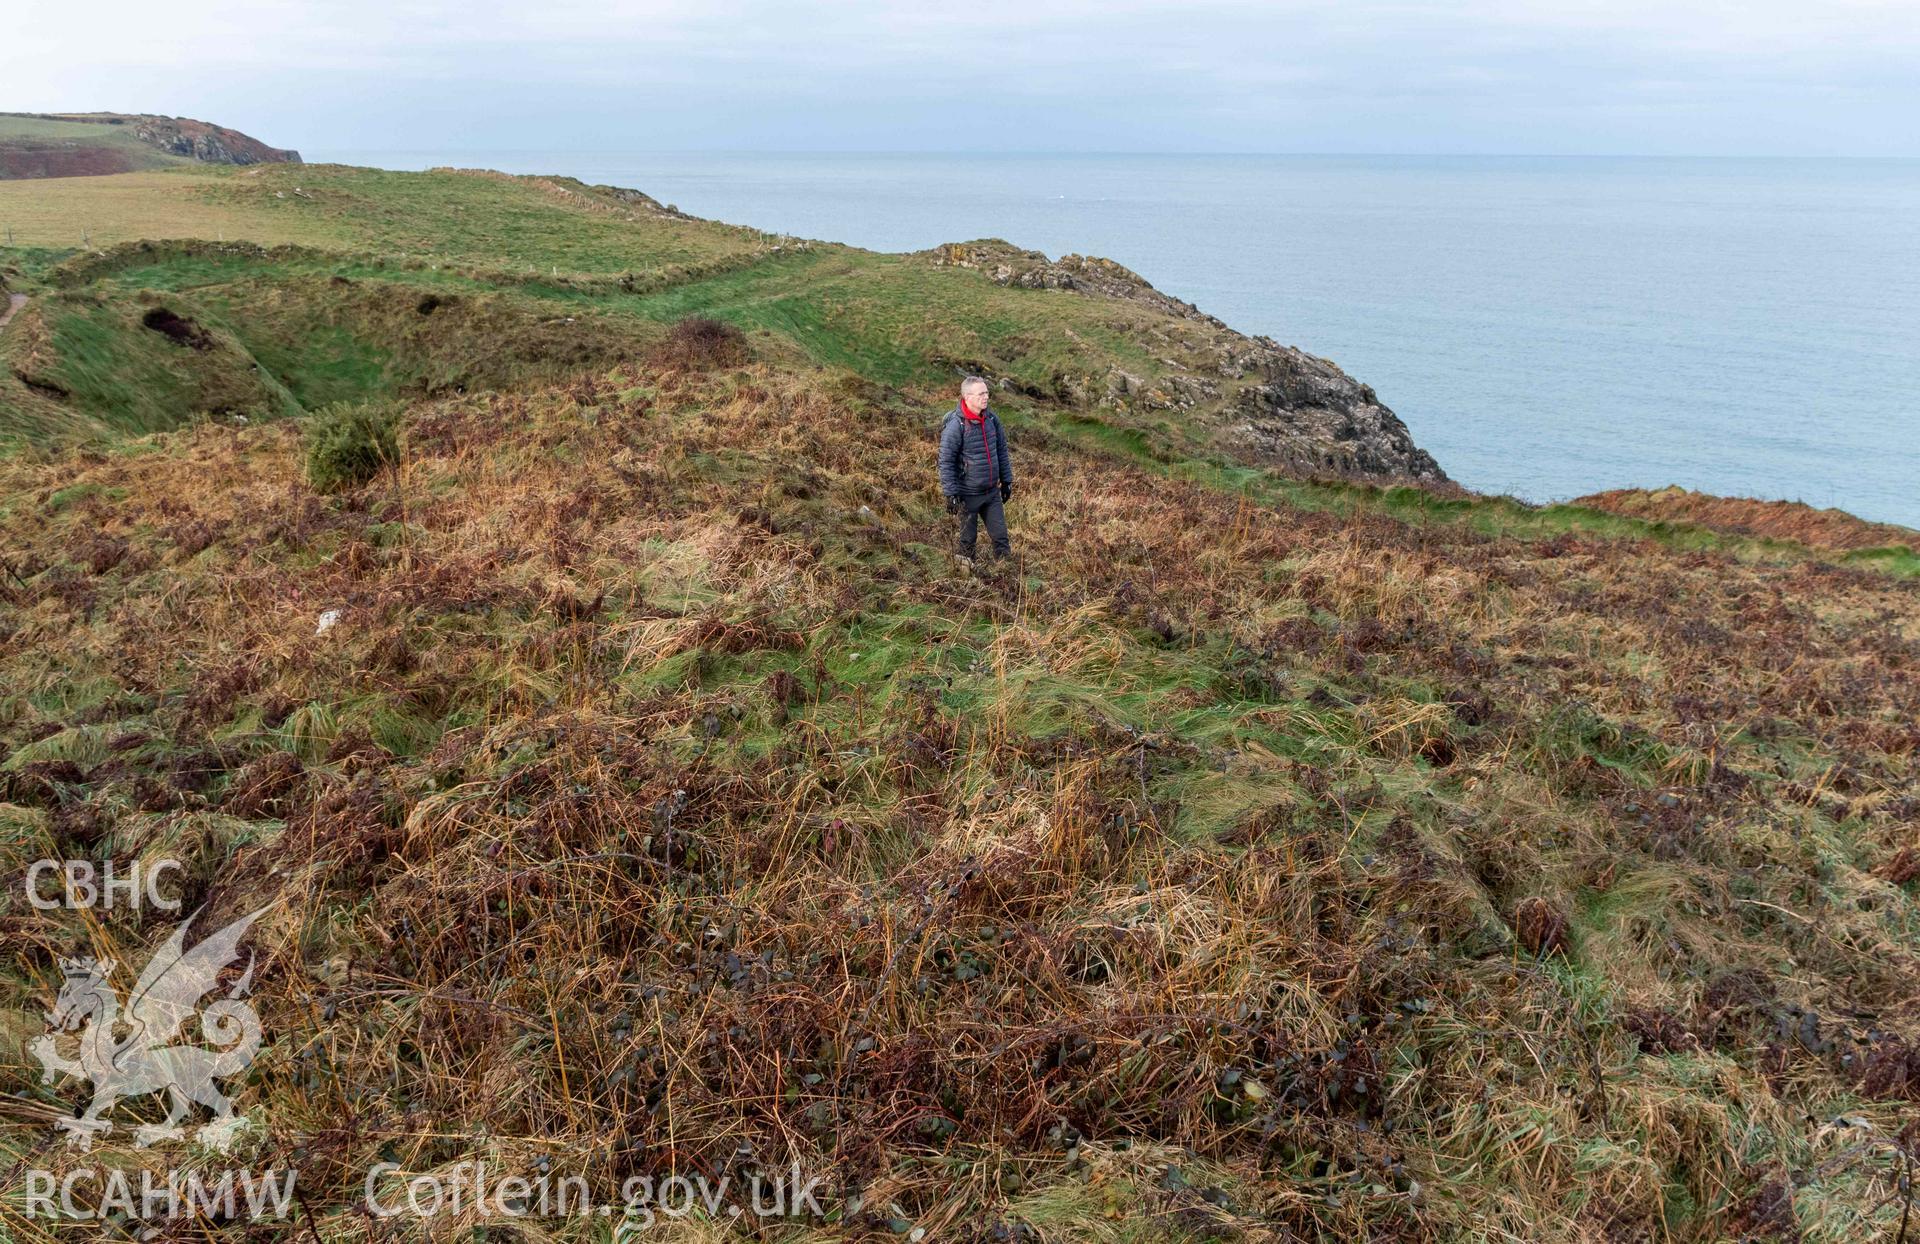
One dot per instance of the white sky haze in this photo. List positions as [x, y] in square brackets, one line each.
[1496, 76]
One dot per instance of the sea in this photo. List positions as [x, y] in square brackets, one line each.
[1546, 326]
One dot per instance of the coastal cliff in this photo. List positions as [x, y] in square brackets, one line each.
[87, 144]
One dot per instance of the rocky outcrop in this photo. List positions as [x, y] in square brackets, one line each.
[209, 144]
[1305, 413]
[1264, 402]
[644, 202]
[1089, 274]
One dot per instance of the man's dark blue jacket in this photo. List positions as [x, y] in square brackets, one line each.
[973, 455]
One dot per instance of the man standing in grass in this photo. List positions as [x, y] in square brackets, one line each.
[975, 473]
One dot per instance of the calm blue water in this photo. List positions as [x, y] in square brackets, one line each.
[1547, 327]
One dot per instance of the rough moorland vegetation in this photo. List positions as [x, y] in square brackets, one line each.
[1787, 520]
[635, 784]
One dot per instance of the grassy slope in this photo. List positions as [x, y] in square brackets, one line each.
[467, 217]
[541, 248]
[662, 797]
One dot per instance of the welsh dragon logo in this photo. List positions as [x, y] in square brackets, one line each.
[133, 1054]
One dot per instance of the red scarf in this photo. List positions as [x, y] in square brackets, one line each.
[993, 464]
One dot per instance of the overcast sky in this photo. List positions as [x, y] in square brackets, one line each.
[1790, 77]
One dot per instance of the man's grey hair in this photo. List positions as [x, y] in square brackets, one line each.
[973, 380]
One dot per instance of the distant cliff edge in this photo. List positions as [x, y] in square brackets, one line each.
[88, 144]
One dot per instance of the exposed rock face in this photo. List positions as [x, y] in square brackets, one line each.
[645, 202]
[1307, 413]
[1269, 403]
[209, 144]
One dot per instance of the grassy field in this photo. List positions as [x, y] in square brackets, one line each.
[459, 217]
[1257, 858]
[69, 212]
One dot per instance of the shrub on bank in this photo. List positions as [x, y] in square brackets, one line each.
[349, 442]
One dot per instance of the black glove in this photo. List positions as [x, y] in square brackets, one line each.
[953, 505]
[1006, 490]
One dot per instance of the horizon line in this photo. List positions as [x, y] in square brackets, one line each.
[1064, 151]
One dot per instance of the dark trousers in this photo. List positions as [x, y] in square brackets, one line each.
[984, 509]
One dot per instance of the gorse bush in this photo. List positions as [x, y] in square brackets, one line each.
[348, 442]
